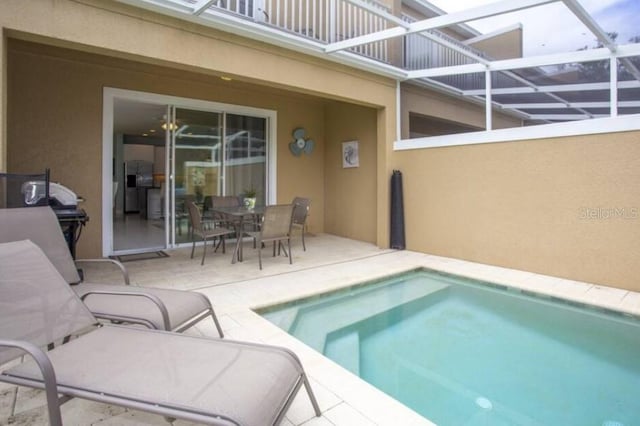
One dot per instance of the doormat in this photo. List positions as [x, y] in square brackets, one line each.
[140, 256]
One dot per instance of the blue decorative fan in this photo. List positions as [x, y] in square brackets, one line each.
[300, 144]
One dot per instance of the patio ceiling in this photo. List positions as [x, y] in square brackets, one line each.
[561, 86]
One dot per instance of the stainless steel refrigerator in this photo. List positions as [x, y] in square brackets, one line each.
[138, 177]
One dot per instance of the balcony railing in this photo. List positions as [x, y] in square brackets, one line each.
[326, 21]
[419, 52]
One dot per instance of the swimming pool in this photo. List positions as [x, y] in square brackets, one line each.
[461, 352]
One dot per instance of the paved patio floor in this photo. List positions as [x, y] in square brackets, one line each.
[329, 263]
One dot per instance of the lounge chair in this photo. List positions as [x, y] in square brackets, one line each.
[163, 309]
[210, 381]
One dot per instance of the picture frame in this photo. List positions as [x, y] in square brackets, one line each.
[350, 154]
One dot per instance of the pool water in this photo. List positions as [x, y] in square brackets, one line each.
[461, 352]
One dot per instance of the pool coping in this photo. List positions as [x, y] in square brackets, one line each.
[581, 304]
[344, 395]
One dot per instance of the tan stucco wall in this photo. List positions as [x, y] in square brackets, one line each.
[105, 26]
[507, 45]
[108, 28]
[510, 204]
[351, 189]
[521, 205]
[418, 100]
[55, 112]
[304, 175]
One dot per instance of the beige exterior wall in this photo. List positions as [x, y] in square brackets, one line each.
[55, 111]
[522, 205]
[507, 45]
[351, 189]
[55, 98]
[511, 204]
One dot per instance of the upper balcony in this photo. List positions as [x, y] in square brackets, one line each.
[406, 43]
[328, 21]
[324, 21]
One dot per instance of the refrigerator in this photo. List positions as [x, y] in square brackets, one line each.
[138, 176]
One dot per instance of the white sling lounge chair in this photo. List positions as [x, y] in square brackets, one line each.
[162, 309]
[210, 381]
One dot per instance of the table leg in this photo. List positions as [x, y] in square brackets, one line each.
[234, 258]
[241, 236]
[237, 251]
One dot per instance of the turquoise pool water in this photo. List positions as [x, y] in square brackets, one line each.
[466, 353]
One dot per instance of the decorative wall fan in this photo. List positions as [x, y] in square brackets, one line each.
[300, 144]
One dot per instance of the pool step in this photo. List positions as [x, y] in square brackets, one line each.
[314, 323]
[345, 350]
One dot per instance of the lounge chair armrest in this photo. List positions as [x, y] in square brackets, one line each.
[155, 299]
[48, 376]
[124, 271]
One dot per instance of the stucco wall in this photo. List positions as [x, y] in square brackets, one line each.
[507, 45]
[351, 190]
[519, 205]
[109, 28]
[55, 116]
[542, 206]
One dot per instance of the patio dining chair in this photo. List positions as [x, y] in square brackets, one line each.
[237, 223]
[275, 226]
[218, 218]
[157, 308]
[225, 220]
[205, 233]
[197, 379]
[300, 213]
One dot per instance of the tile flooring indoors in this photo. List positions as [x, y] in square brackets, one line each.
[329, 263]
[132, 232]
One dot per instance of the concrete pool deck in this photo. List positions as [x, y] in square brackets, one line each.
[329, 263]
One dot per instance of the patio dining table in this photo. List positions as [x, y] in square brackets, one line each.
[241, 213]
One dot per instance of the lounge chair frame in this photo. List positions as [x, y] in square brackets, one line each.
[52, 312]
[40, 225]
[52, 389]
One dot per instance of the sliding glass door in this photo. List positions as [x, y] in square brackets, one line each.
[245, 156]
[196, 154]
[213, 153]
[160, 152]
[139, 145]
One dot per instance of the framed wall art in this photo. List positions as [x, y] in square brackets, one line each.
[350, 154]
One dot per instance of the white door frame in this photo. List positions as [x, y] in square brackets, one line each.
[108, 98]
